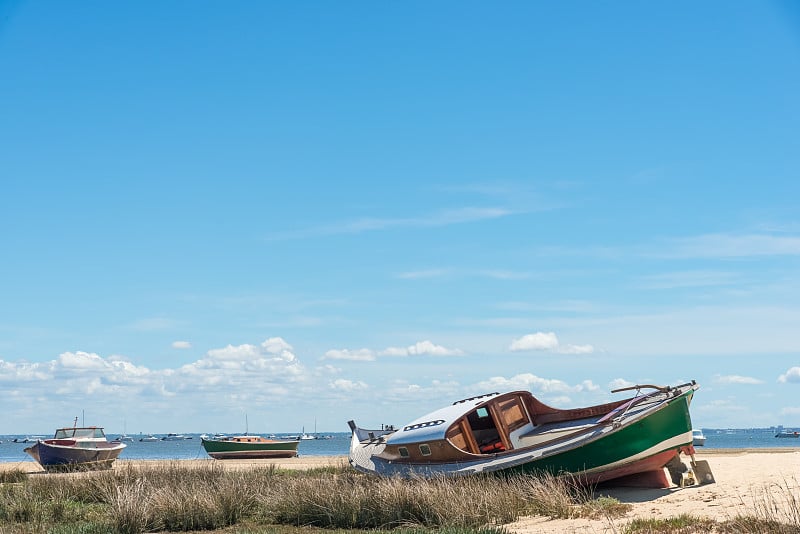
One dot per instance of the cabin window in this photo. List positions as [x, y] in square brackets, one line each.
[484, 430]
[457, 438]
[513, 413]
[98, 433]
[425, 449]
[403, 452]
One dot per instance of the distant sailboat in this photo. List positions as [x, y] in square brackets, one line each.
[124, 436]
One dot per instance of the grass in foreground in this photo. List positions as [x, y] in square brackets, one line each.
[177, 497]
[188, 498]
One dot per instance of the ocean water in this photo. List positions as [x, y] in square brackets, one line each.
[338, 444]
[747, 438]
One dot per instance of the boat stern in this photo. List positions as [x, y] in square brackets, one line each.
[365, 444]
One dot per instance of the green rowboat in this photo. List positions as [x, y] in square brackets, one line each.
[249, 447]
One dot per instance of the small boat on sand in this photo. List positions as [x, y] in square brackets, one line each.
[629, 441]
[76, 448]
[249, 447]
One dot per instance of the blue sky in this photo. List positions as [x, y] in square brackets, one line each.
[309, 212]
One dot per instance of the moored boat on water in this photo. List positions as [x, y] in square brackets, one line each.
[631, 440]
[175, 437]
[249, 447]
[788, 434]
[76, 448]
[698, 438]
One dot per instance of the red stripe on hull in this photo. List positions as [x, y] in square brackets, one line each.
[647, 472]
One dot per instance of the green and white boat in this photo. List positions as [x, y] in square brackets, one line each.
[630, 440]
[248, 447]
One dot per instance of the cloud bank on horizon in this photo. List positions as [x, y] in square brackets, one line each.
[256, 377]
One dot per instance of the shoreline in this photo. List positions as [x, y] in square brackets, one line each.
[298, 463]
[314, 461]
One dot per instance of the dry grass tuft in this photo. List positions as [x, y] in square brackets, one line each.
[13, 476]
[178, 497]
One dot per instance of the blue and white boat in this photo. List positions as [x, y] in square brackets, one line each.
[76, 448]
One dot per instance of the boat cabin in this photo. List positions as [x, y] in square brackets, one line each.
[248, 439]
[489, 424]
[92, 432]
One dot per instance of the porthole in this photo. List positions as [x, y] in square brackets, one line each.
[403, 452]
[425, 449]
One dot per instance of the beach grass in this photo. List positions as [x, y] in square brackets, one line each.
[174, 497]
[180, 497]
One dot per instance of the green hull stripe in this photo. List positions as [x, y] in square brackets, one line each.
[668, 428]
[232, 446]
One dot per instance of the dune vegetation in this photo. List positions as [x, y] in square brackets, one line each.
[176, 497]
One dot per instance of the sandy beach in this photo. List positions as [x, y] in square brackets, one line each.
[300, 462]
[745, 478]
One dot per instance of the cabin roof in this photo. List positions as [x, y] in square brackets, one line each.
[432, 426]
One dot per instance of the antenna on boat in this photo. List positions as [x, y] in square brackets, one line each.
[246, 425]
[75, 423]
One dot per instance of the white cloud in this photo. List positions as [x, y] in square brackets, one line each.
[619, 383]
[537, 341]
[276, 345]
[81, 360]
[360, 355]
[256, 370]
[15, 373]
[547, 341]
[181, 345]
[235, 354]
[736, 379]
[422, 348]
[792, 375]
[535, 384]
[273, 348]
